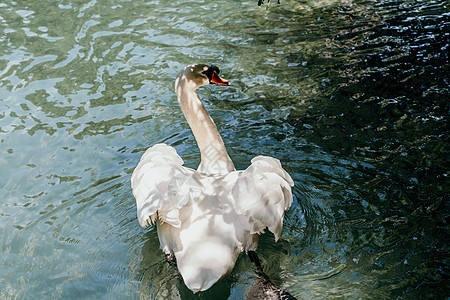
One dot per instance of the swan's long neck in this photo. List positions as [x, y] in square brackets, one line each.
[214, 156]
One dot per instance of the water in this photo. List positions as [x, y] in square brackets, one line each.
[351, 96]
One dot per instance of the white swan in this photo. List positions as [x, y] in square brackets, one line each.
[208, 216]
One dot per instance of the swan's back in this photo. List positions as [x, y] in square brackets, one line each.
[206, 221]
[207, 243]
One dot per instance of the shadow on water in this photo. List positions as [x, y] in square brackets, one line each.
[160, 280]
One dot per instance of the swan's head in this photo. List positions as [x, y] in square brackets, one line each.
[200, 75]
[212, 72]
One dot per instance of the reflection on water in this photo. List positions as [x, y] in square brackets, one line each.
[352, 97]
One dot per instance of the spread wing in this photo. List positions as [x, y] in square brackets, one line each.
[263, 193]
[161, 186]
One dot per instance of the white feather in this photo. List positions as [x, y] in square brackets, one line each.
[207, 220]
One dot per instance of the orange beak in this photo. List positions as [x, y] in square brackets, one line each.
[217, 80]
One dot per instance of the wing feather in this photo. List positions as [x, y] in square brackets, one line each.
[263, 193]
[158, 184]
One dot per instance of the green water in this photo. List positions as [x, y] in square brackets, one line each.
[351, 96]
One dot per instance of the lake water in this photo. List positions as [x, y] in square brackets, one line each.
[351, 96]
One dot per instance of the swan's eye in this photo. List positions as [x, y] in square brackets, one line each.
[208, 72]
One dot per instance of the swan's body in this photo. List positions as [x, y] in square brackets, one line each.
[210, 215]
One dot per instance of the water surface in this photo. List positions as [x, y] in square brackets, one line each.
[351, 96]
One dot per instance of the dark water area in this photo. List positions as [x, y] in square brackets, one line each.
[383, 105]
[386, 108]
[351, 96]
